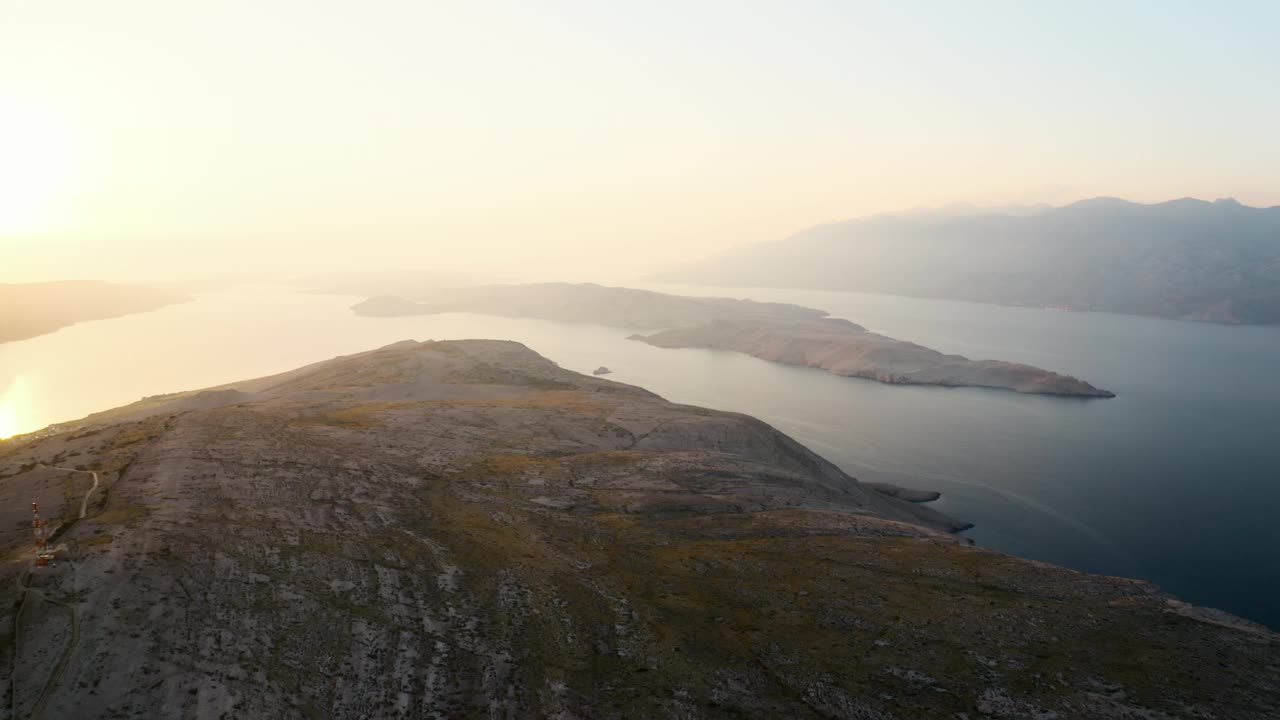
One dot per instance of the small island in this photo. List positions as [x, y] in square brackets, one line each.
[777, 332]
[602, 370]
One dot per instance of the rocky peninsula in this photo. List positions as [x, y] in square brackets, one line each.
[464, 529]
[844, 348]
[778, 332]
[31, 309]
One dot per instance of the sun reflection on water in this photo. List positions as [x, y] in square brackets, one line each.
[10, 423]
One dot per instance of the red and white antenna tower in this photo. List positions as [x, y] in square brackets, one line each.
[42, 536]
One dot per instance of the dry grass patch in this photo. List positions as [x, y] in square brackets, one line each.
[549, 400]
[511, 463]
[130, 436]
[358, 416]
[119, 514]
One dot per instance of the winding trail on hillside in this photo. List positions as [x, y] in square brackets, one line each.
[84, 504]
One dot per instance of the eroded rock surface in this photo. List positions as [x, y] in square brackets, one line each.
[465, 530]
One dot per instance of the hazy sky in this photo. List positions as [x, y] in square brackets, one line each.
[140, 137]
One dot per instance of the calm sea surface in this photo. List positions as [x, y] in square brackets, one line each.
[1176, 480]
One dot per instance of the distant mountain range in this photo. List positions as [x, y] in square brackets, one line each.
[1187, 259]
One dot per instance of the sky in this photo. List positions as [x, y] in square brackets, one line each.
[144, 140]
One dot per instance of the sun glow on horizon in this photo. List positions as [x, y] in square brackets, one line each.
[12, 399]
[35, 164]
[8, 422]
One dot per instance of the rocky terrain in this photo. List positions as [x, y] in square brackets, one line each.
[778, 332]
[1186, 259]
[464, 530]
[31, 309]
[843, 348]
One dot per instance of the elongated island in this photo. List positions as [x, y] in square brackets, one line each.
[778, 332]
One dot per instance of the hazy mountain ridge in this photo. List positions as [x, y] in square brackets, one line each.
[462, 529]
[1186, 259]
[406, 283]
[31, 309]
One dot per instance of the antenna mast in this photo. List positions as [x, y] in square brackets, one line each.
[43, 555]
